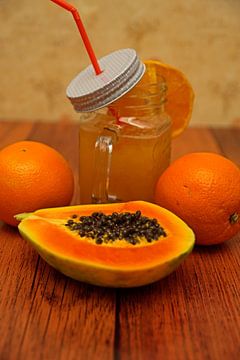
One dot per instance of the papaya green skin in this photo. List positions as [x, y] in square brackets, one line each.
[104, 276]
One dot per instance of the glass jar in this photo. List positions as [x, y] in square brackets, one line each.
[125, 148]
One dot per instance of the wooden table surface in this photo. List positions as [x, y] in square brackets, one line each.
[192, 314]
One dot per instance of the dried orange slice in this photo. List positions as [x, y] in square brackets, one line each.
[180, 95]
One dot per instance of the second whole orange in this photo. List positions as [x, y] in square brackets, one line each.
[33, 176]
[204, 190]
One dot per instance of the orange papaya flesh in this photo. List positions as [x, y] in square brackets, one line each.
[118, 264]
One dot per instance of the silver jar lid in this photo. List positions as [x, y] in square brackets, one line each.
[121, 71]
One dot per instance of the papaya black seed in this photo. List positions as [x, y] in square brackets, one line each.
[95, 214]
[133, 241]
[124, 233]
[138, 214]
[87, 228]
[123, 226]
[99, 241]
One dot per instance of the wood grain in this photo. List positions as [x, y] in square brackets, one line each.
[192, 314]
[229, 142]
[195, 312]
[44, 315]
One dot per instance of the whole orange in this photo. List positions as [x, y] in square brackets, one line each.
[33, 176]
[204, 190]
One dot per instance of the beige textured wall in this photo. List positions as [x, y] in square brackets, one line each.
[41, 51]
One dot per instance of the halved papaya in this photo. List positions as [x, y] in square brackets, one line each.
[116, 245]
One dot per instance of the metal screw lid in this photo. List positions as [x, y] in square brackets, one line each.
[121, 71]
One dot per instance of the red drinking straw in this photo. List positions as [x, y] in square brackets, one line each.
[82, 31]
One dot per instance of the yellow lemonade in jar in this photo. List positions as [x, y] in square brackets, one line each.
[123, 155]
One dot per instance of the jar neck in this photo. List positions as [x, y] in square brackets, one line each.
[142, 101]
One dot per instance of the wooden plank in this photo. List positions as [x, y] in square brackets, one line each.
[43, 314]
[194, 313]
[194, 140]
[229, 142]
[11, 132]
